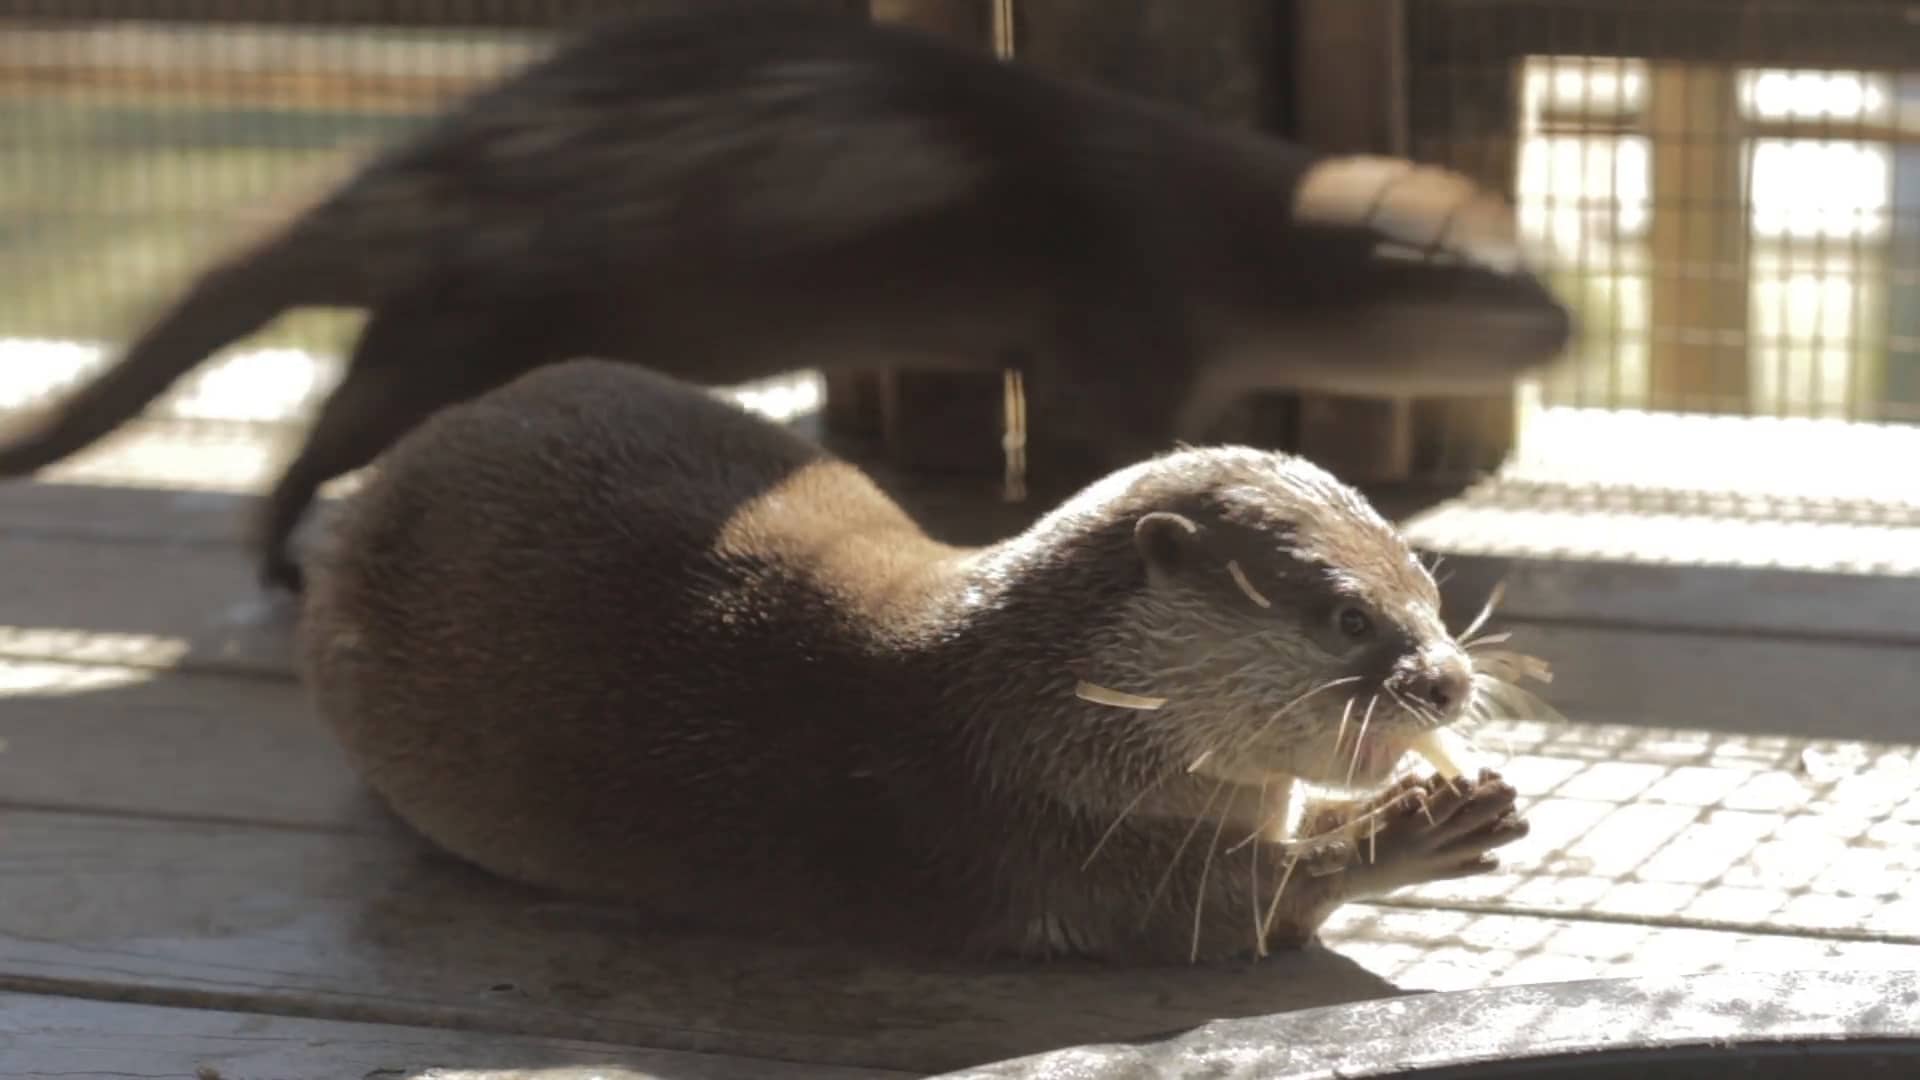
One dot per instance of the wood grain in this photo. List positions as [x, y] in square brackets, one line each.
[202, 600]
[205, 598]
[191, 838]
[357, 927]
[1675, 825]
[127, 740]
[42, 1036]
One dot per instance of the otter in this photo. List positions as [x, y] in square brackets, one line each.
[601, 632]
[733, 194]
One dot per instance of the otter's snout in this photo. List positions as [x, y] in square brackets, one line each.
[1440, 683]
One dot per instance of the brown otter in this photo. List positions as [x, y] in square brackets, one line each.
[732, 194]
[602, 632]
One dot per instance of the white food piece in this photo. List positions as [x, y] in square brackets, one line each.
[1120, 699]
[1446, 751]
[1276, 817]
[1275, 788]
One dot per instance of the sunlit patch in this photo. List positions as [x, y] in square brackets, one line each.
[38, 679]
[230, 425]
[1694, 490]
[1415, 208]
[783, 398]
[553, 1073]
[91, 647]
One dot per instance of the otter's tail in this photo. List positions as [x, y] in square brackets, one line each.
[227, 302]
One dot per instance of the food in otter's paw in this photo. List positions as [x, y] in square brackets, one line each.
[552, 619]
[1447, 752]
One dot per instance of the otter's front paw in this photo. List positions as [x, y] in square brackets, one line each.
[1433, 830]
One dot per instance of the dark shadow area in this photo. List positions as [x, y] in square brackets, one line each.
[518, 960]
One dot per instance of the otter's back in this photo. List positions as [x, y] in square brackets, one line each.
[529, 625]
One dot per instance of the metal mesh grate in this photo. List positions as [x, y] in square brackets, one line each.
[132, 151]
[1728, 190]
[138, 138]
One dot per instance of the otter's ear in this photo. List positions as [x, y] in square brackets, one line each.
[1168, 542]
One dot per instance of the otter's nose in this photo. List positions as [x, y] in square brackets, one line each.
[1442, 684]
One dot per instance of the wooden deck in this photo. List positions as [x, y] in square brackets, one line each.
[191, 879]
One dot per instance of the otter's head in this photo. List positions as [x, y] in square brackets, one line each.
[1287, 626]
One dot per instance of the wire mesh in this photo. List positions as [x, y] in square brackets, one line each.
[131, 151]
[1728, 191]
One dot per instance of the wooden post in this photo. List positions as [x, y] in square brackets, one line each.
[1351, 97]
[932, 421]
[1223, 59]
[1214, 57]
[1348, 99]
[1699, 234]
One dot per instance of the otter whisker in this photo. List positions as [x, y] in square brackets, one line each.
[1240, 579]
[1174, 863]
[1273, 909]
[1264, 825]
[1360, 740]
[1486, 640]
[1486, 611]
[1253, 874]
[1200, 896]
[1261, 733]
[1428, 716]
[1125, 811]
[1340, 736]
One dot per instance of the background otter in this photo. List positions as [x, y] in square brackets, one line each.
[732, 194]
[602, 632]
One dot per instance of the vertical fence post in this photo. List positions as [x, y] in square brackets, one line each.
[937, 421]
[1699, 349]
[1349, 98]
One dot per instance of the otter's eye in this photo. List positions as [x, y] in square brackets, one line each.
[1353, 623]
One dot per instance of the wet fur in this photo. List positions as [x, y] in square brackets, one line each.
[602, 632]
[731, 195]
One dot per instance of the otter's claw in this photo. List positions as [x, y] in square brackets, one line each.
[1327, 857]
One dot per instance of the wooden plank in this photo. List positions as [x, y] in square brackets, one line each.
[1727, 684]
[356, 928]
[108, 737]
[1731, 600]
[120, 514]
[202, 601]
[1773, 1024]
[1578, 590]
[113, 738]
[1618, 809]
[1583, 585]
[42, 1036]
